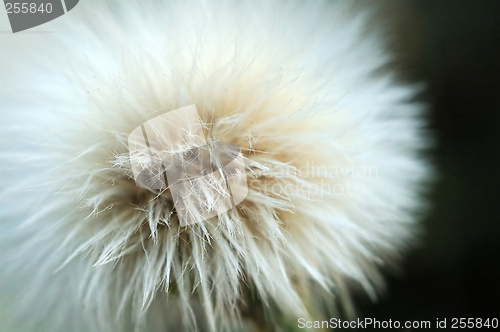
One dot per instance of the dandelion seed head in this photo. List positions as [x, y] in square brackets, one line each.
[293, 84]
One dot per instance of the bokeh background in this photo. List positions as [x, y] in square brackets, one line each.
[454, 47]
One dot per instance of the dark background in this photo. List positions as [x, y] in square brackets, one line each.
[454, 47]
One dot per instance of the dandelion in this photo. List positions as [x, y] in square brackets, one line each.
[294, 84]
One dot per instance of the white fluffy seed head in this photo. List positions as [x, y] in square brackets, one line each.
[331, 146]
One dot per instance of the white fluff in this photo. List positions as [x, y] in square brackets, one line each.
[300, 86]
